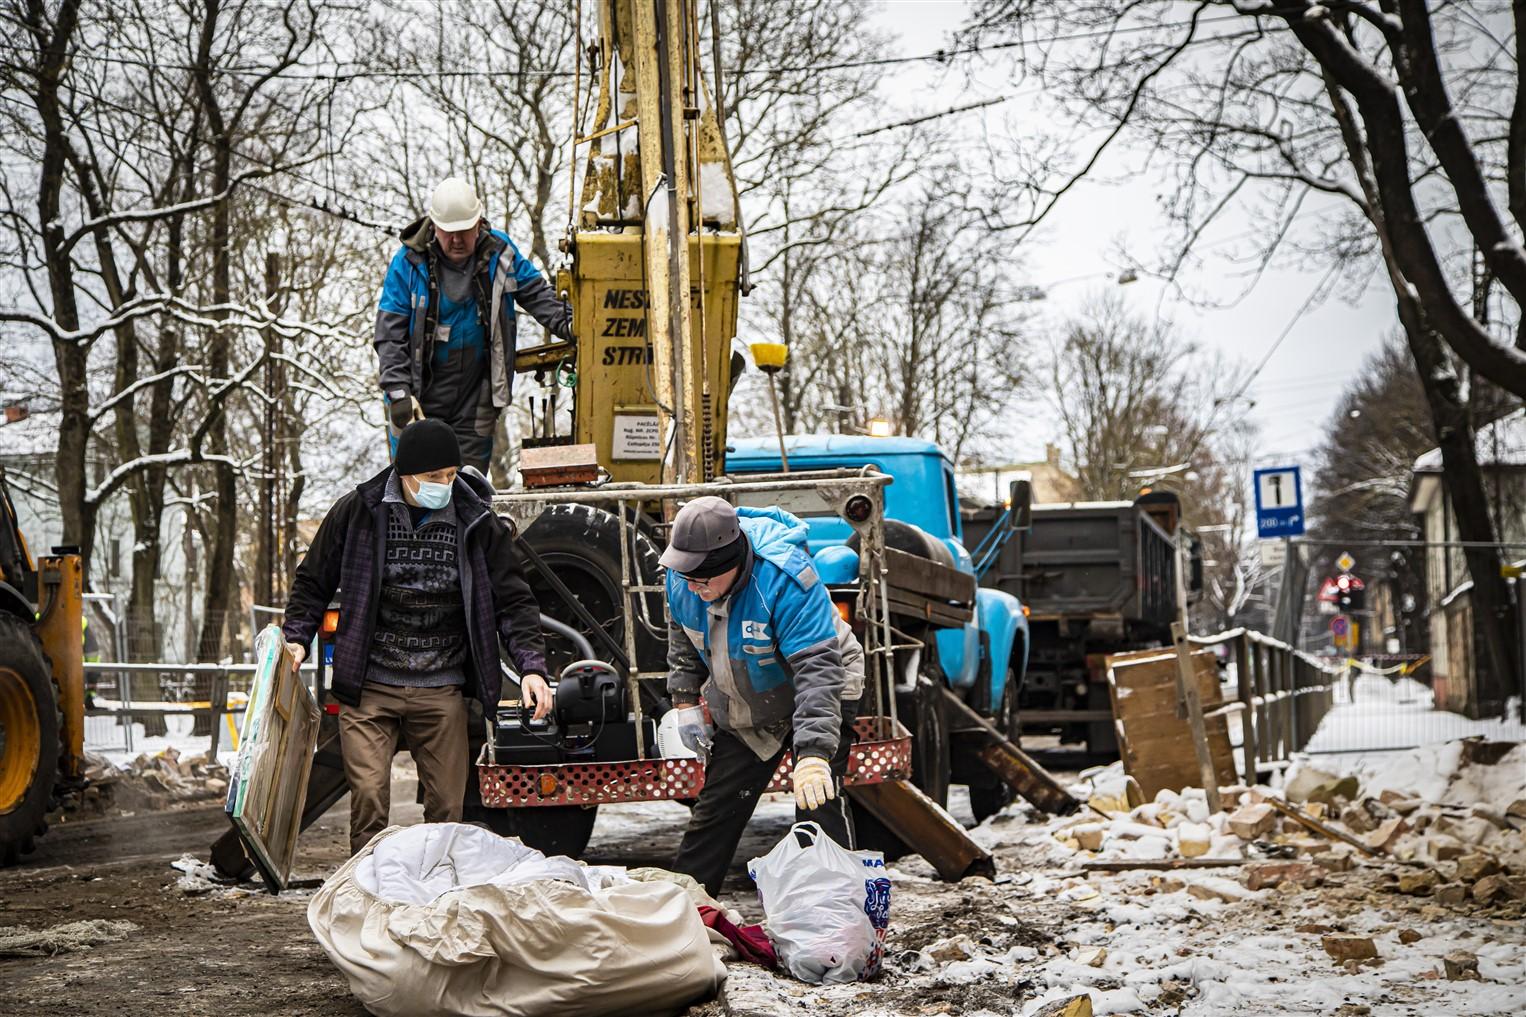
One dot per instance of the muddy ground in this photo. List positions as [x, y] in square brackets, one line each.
[232, 953]
[973, 948]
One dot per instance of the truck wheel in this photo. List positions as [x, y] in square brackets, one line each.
[925, 716]
[549, 829]
[581, 544]
[29, 726]
[991, 796]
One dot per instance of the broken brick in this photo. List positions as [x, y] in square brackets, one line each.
[1451, 894]
[1252, 821]
[1461, 965]
[1382, 838]
[1419, 884]
[1471, 868]
[1272, 873]
[1349, 948]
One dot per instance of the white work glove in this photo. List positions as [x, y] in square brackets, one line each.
[694, 731]
[812, 777]
[298, 655]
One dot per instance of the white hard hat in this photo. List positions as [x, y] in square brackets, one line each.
[454, 205]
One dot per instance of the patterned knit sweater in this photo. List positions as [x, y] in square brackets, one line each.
[420, 638]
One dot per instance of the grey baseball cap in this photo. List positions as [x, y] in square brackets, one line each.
[704, 525]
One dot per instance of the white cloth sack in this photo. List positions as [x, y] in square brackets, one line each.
[449, 919]
[817, 901]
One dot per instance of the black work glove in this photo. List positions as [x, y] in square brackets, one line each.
[403, 409]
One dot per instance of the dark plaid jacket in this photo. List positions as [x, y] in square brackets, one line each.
[346, 555]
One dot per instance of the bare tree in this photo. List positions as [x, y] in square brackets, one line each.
[914, 318]
[1141, 409]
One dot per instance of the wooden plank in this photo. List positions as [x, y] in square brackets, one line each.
[1247, 695]
[1162, 697]
[1193, 704]
[1011, 763]
[915, 605]
[1160, 864]
[926, 827]
[1323, 829]
[927, 577]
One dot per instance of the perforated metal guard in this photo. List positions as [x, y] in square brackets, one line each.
[883, 752]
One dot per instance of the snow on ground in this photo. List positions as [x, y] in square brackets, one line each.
[105, 737]
[1375, 713]
[1200, 943]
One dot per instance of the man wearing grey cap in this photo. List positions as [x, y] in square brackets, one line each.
[754, 633]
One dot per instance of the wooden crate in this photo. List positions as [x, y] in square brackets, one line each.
[1155, 743]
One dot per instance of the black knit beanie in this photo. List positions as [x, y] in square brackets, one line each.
[425, 446]
[720, 560]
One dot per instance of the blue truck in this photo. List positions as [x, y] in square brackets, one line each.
[968, 639]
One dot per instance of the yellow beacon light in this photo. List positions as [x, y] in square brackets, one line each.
[769, 357]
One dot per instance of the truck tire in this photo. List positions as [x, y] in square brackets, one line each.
[581, 543]
[549, 829]
[29, 732]
[925, 716]
[992, 794]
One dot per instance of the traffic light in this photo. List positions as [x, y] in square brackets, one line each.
[1350, 593]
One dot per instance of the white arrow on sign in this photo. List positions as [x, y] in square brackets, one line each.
[1279, 490]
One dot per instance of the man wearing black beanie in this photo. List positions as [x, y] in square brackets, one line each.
[428, 584]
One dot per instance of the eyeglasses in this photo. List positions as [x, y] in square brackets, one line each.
[703, 584]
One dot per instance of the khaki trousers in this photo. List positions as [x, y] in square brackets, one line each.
[434, 723]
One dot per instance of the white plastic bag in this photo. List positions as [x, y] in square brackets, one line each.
[825, 907]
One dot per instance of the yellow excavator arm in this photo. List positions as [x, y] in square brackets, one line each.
[656, 256]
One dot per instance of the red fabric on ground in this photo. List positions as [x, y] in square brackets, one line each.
[750, 940]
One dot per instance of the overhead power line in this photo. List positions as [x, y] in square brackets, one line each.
[1286, 331]
[358, 71]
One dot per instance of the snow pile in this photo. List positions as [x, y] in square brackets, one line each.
[1442, 773]
[1177, 824]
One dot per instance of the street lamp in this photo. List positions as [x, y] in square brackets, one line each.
[1031, 293]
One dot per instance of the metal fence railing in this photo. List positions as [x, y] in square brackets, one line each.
[211, 695]
[1284, 695]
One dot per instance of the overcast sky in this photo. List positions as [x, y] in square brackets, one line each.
[1296, 392]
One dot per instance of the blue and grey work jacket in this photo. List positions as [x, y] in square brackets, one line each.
[407, 310]
[771, 655]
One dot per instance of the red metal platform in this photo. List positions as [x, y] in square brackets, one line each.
[882, 752]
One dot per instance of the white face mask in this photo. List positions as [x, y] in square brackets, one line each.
[432, 496]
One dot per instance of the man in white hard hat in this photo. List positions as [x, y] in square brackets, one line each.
[754, 632]
[445, 325]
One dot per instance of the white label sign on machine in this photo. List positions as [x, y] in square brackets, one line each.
[637, 436]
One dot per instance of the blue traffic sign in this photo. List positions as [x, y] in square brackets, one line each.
[1279, 502]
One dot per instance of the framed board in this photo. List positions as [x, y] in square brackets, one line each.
[268, 785]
